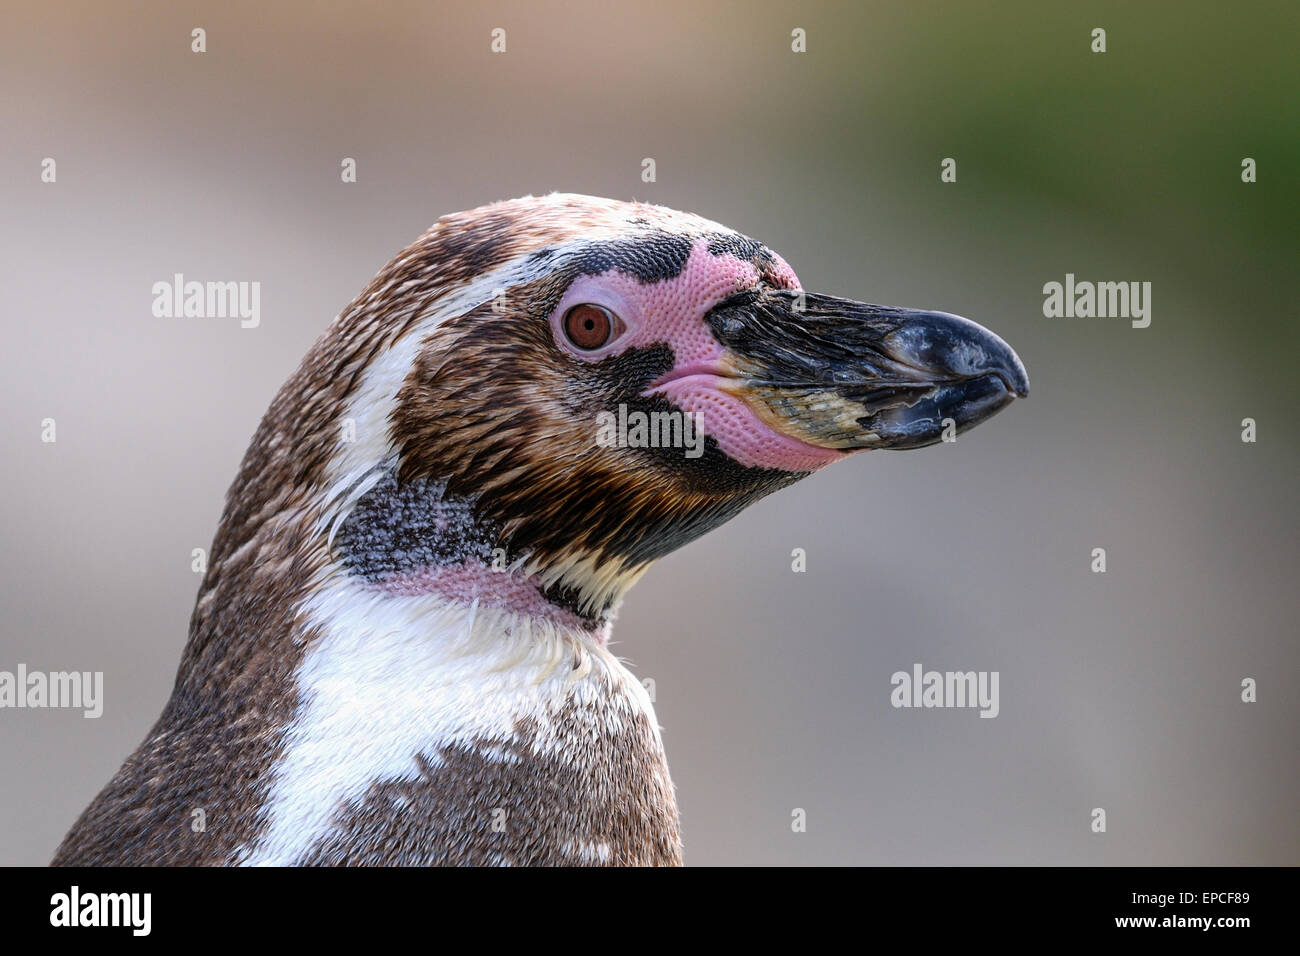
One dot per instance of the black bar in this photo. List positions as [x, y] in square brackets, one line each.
[988, 904]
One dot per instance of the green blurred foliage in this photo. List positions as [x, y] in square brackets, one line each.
[1144, 141]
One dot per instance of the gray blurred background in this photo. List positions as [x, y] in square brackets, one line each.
[1118, 690]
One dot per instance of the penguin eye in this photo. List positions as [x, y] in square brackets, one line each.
[590, 326]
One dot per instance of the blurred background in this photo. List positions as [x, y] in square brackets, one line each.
[1118, 690]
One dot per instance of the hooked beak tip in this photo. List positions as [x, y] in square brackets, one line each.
[946, 347]
[1016, 380]
[973, 374]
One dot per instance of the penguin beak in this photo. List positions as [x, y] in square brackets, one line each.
[847, 375]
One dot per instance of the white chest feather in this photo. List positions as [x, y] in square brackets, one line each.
[390, 682]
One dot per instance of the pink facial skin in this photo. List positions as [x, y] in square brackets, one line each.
[672, 312]
[475, 581]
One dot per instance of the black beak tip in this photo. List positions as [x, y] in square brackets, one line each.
[1014, 377]
[974, 374]
[964, 348]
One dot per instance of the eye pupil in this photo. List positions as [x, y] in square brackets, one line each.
[589, 326]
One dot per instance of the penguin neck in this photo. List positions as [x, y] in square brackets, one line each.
[415, 539]
[376, 643]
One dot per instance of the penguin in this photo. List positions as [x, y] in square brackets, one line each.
[399, 653]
